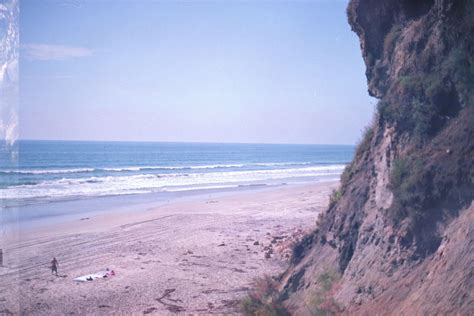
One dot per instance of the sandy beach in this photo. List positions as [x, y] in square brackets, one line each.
[189, 257]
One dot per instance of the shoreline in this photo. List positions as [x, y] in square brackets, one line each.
[193, 256]
[52, 213]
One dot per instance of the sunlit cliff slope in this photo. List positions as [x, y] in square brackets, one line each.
[398, 235]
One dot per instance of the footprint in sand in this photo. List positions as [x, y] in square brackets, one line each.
[149, 310]
[230, 303]
[170, 307]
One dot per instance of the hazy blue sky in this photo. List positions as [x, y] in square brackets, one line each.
[272, 72]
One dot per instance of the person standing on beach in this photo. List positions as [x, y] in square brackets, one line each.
[54, 266]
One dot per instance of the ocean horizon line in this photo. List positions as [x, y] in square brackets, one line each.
[175, 142]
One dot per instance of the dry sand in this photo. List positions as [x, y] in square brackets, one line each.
[188, 257]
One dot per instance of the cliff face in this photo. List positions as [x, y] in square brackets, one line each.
[398, 236]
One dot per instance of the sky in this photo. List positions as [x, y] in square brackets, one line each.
[207, 71]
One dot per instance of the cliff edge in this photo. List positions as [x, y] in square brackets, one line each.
[398, 235]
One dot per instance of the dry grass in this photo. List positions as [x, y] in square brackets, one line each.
[262, 300]
[322, 303]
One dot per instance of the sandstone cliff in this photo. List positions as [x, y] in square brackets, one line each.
[398, 236]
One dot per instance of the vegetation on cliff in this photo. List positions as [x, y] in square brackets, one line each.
[422, 70]
[406, 199]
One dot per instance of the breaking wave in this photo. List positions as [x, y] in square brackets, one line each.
[148, 168]
[160, 182]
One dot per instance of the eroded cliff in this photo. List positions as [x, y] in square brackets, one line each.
[398, 235]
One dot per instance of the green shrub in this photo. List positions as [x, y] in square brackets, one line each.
[400, 171]
[423, 114]
[249, 305]
[409, 182]
[422, 106]
[263, 300]
[390, 113]
[459, 67]
[364, 143]
[334, 197]
[415, 116]
[420, 85]
[327, 279]
[391, 38]
[411, 83]
[461, 64]
[456, 60]
[362, 147]
[432, 84]
[347, 174]
[322, 302]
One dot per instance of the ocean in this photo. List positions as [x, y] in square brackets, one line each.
[38, 173]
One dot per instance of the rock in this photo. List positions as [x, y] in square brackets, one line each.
[410, 49]
[256, 243]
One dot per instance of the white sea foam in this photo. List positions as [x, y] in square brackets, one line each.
[145, 168]
[47, 171]
[142, 183]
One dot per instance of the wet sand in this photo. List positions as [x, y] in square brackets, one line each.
[191, 257]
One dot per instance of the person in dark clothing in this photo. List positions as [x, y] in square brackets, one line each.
[54, 266]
